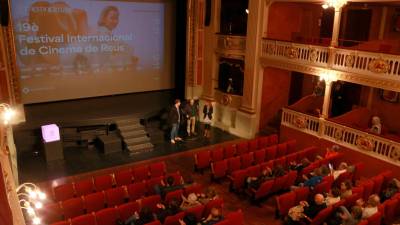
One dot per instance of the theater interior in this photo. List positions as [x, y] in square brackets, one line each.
[286, 112]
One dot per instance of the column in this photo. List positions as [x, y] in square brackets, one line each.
[382, 25]
[336, 26]
[327, 99]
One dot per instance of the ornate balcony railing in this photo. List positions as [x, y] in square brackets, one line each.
[231, 44]
[366, 143]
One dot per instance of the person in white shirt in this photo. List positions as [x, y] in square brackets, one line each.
[333, 197]
[371, 207]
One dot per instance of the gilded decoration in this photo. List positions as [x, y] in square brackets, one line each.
[271, 49]
[378, 66]
[300, 122]
[365, 143]
[292, 52]
[395, 154]
[338, 134]
[226, 99]
[350, 59]
[313, 54]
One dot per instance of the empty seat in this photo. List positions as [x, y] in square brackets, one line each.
[282, 150]
[291, 158]
[84, 187]
[158, 169]
[301, 194]
[88, 219]
[202, 160]
[273, 139]
[259, 156]
[154, 223]
[322, 187]
[269, 164]
[279, 183]
[61, 223]
[358, 168]
[253, 171]
[174, 219]
[152, 183]
[73, 207]
[115, 196]
[291, 146]
[127, 210]
[392, 205]
[217, 154]
[151, 202]
[107, 216]
[253, 145]
[137, 190]
[140, 173]
[51, 213]
[247, 159]
[263, 191]
[196, 211]
[234, 164]
[242, 148]
[368, 188]
[218, 203]
[263, 142]
[238, 180]
[378, 181]
[103, 182]
[64, 192]
[280, 162]
[173, 195]
[271, 153]
[219, 169]
[235, 218]
[123, 177]
[284, 202]
[194, 188]
[290, 180]
[94, 202]
[229, 151]
[375, 219]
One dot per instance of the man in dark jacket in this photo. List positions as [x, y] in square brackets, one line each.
[175, 119]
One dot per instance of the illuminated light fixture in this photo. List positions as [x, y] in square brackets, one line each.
[247, 11]
[328, 76]
[337, 4]
[7, 113]
[36, 220]
[31, 200]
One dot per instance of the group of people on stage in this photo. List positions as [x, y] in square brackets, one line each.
[190, 113]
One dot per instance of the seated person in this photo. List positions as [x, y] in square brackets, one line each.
[305, 212]
[143, 217]
[190, 201]
[346, 189]
[171, 209]
[168, 187]
[371, 207]
[316, 176]
[376, 126]
[188, 219]
[332, 151]
[209, 195]
[255, 182]
[214, 217]
[333, 196]
[299, 166]
[342, 168]
[278, 171]
[392, 188]
[352, 218]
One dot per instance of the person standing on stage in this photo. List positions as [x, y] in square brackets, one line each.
[207, 118]
[175, 119]
[191, 113]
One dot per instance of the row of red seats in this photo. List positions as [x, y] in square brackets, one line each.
[204, 158]
[109, 216]
[109, 198]
[226, 167]
[106, 181]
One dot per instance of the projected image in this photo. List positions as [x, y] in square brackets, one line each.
[62, 46]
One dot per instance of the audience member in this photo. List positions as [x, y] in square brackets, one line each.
[167, 187]
[392, 188]
[278, 171]
[371, 207]
[143, 217]
[346, 189]
[299, 166]
[209, 195]
[189, 219]
[333, 196]
[376, 126]
[352, 218]
[342, 168]
[305, 212]
[255, 182]
[214, 217]
[171, 209]
[190, 201]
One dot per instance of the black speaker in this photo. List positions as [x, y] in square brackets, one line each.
[207, 19]
[4, 13]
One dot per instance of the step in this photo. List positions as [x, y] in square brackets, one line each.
[130, 127]
[136, 140]
[133, 133]
[135, 149]
[127, 121]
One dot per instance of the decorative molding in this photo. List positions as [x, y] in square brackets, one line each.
[378, 66]
[231, 46]
[292, 53]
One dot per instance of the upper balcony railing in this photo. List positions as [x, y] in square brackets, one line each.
[231, 44]
[369, 144]
[372, 64]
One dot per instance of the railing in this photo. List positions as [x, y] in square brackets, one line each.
[231, 43]
[357, 140]
[369, 64]
[301, 53]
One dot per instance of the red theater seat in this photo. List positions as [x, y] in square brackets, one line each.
[174, 220]
[152, 183]
[219, 169]
[247, 159]
[127, 210]
[322, 216]
[282, 150]
[263, 142]
[234, 164]
[391, 210]
[253, 171]
[123, 177]
[284, 202]
[107, 216]
[88, 219]
[378, 181]
[218, 203]
[291, 158]
[290, 180]
[271, 153]
[235, 218]
[178, 179]
[61, 223]
[238, 180]
[229, 151]
[358, 168]
[368, 188]
[140, 173]
[217, 154]
[291, 146]
[137, 190]
[154, 223]
[174, 195]
[273, 139]
[202, 160]
[73, 207]
[158, 169]
[253, 145]
[269, 164]
[279, 183]
[322, 187]
[197, 211]
[242, 148]
[194, 188]
[280, 162]
[375, 219]
[351, 200]
[115, 196]
[151, 202]
[264, 190]
[84, 187]
[103, 182]
[51, 213]
[302, 194]
[64, 192]
[259, 156]
[94, 202]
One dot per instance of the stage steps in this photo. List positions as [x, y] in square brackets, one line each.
[134, 135]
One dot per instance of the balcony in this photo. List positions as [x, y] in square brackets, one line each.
[366, 143]
[363, 67]
[231, 45]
